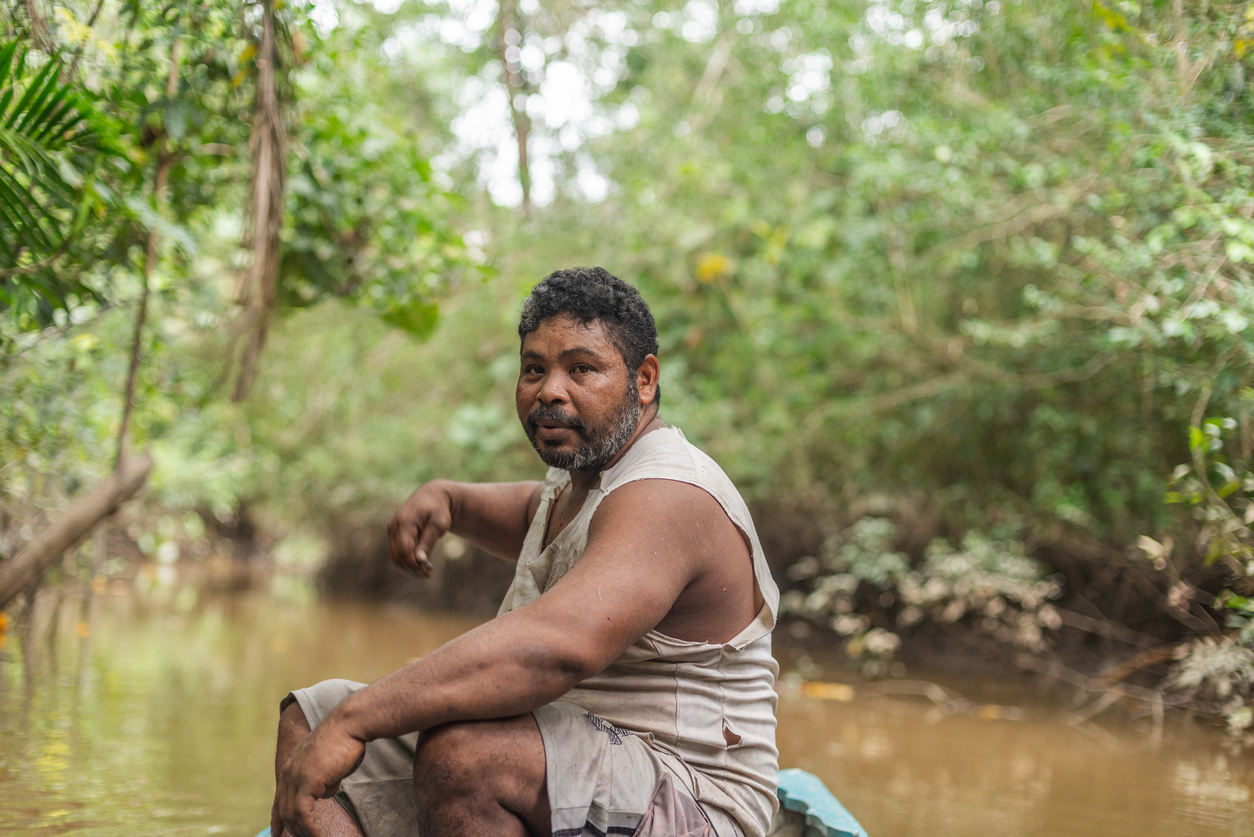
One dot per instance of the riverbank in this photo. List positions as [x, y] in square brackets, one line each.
[1081, 668]
[1000, 619]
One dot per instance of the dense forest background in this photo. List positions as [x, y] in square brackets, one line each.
[959, 293]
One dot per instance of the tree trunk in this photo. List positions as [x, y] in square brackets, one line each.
[165, 159]
[263, 219]
[68, 527]
[516, 88]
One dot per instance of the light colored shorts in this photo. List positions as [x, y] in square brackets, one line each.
[601, 779]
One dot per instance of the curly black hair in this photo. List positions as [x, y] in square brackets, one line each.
[593, 293]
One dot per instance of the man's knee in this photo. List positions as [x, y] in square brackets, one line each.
[482, 777]
[293, 726]
[292, 722]
[477, 755]
[451, 754]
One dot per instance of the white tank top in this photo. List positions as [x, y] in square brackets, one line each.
[677, 695]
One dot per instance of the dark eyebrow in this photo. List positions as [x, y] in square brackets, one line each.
[531, 354]
[580, 350]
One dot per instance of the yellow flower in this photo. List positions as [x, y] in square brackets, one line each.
[711, 267]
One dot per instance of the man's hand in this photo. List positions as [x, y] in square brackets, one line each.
[313, 772]
[417, 525]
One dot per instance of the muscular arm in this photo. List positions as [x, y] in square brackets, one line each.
[640, 557]
[644, 549]
[492, 516]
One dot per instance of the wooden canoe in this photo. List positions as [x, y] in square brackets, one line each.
[806, 809]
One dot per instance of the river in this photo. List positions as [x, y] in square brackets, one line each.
[149, 707]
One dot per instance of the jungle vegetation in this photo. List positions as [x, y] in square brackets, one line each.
[958, 292]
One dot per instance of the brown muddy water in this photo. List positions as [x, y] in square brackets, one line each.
[149, 708]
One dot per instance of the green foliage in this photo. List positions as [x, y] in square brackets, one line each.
[367, 222]
[54, 138]
[364, 224]
[987, 260]
[987, 263]
[54, 419]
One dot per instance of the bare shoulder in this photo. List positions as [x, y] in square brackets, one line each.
[676, 526]
[650, 507]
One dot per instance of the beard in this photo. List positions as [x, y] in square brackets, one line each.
[598, 445]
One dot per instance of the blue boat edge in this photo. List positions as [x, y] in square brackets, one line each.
[804, 793]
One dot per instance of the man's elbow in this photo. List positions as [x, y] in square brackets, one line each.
[565, 662]
[577, 667]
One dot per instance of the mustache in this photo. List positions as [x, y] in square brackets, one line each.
[555, 414]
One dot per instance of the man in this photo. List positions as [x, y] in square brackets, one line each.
[627, 676]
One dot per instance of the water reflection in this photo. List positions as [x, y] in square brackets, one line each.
[136, 711]
[903, 773]
[160, 714]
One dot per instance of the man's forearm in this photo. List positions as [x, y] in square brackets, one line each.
[503, 668]
[492, 516]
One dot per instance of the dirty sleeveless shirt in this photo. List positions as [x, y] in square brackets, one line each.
[680, 696]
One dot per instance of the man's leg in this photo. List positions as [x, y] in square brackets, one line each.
[482, 777]
[328, 815]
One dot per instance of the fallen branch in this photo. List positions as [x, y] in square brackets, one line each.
[1083, 682]
[1151, 696]
[947, 700]
[67, 528]
[1147, 658]
[1096, 707]
[1103, 628]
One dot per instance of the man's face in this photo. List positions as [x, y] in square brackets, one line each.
[576, 399]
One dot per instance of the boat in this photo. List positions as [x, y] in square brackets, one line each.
[806, 809]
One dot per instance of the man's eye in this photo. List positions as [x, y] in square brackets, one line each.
[582, 369]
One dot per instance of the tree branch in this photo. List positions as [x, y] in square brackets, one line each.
[258, 286]
[516, 85]
[67, 528]
[164, 160]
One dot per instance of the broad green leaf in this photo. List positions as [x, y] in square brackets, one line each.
[418, 319]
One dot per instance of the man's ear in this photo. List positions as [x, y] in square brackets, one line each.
[647, 378]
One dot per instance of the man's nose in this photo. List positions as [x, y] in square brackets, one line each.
[553, 390]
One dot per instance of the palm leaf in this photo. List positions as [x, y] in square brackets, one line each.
[63, 113]
[41, 121]
[29, 231]
[9, 73]
[34, 90]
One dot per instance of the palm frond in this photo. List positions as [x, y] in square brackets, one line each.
[44, 127]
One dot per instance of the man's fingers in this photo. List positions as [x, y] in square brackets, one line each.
[304, 816]
[401, 537]
[276, 822]
[424, 547]
[405, 551]
[416, 526]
